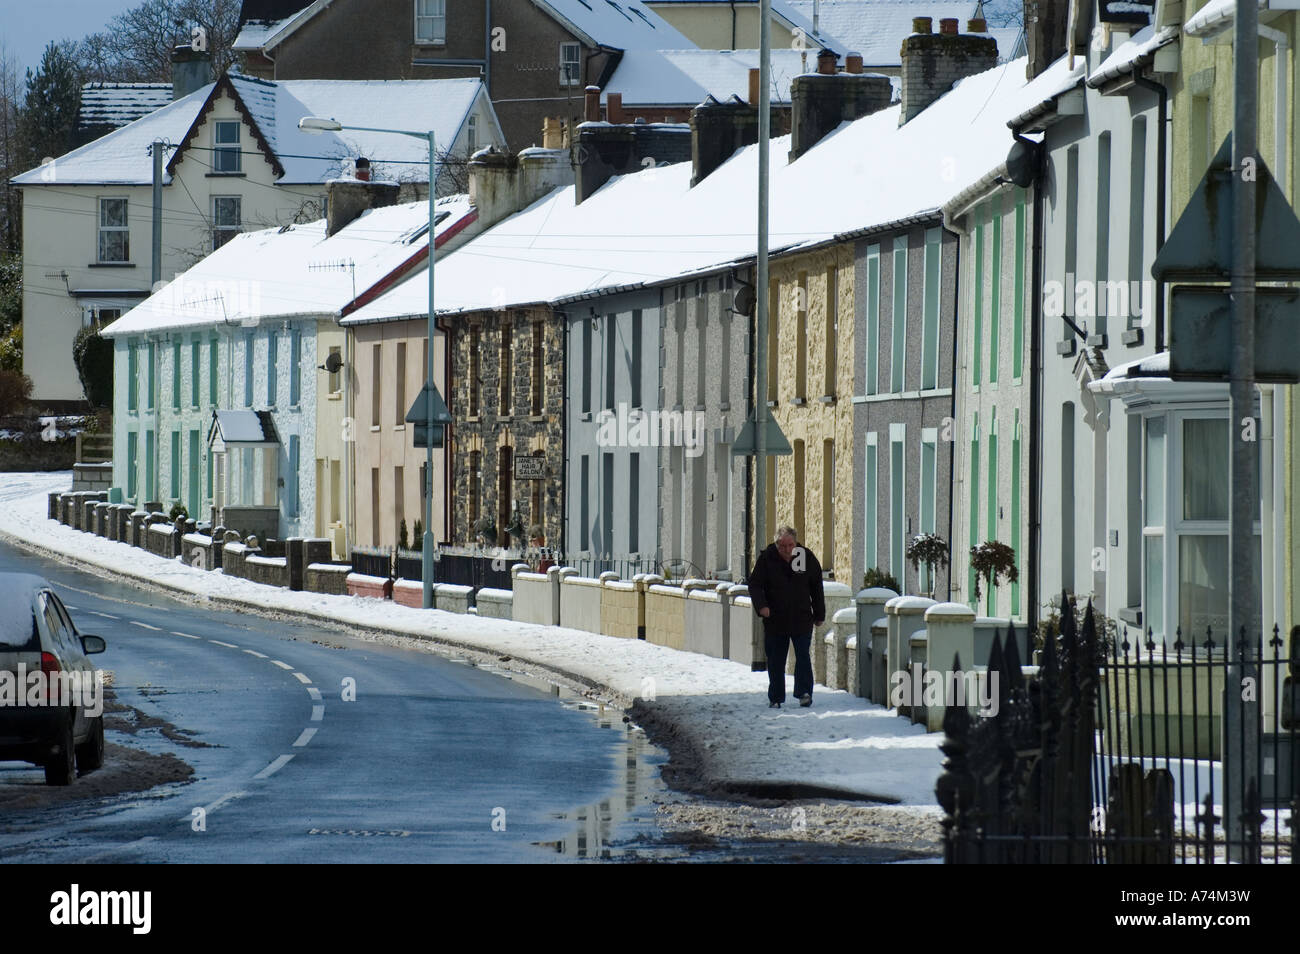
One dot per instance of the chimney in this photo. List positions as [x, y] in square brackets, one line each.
[853, 63]
[348, 198]
[614, 108]
[591, 107]
[755, 77]
[1046, 22]
[501, 184]
[977, 25]
[718, 130]
[605, 150]
[191, 70]
[362, 166]
[821, 101]
[933, 62]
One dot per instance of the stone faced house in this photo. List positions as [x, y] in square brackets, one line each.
[535, 57]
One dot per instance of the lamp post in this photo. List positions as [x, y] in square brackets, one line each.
[317, 126]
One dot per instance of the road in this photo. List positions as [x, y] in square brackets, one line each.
[431, 759]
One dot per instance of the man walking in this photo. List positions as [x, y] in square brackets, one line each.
[786, 589]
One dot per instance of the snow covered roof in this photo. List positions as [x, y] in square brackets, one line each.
[1135, 51]
[242, 427]
[265, 33]
[116, 104]
[122, 156]
[1215, 17]
[651, 227]
[877, 28]
[296, 271]
[621, 24]
[274, 108]
[687, 77]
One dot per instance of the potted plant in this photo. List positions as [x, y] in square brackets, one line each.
[930, 549]
[993, 560]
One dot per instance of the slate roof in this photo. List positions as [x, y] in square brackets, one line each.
[116, 104]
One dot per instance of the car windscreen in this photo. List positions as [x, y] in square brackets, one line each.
[18, 632]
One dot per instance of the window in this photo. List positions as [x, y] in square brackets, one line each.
[899, 335]
[584, 528]
[475, 468]
[471, 134]
[977, 325]
[929, 463]
[586, 367]
[992, 512]
[897, 505]
[801, 338]
[974, 503]
[431, 21]
[872, 344]
[611, 358]
[722, 474]
[225, 146]
[1018, 296]
[828, 504]
[225, 219]
[539, 370]
[607, 504]
[872, 555]
[474, 347]
[570, 64]
[152, 372]
[248, 370]
[507, 405]
[176, 466]
[132, 463]
[799, 486]
[399, 502]
[1071, 242]
[930, 314]
[635, 369]
[399, 383]
[832, 331]
[194, 371]
[114, 237]
[150, 469]
[295, 367]
[336, 377]
[1103, 232]
[212, 371]
[376, 381]
[176, 375]
[995, 294]
[1137, 201]
[1015, 508]
[193, 494]
[272, 368]
[132, 374]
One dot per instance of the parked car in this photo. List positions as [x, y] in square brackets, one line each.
[60, 729]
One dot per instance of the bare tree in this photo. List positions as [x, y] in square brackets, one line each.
[137, 46]
[10, 155]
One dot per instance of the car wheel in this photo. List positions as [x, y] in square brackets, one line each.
[59, 766]
[90, 754]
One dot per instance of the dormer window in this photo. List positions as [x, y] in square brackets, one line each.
[225, 142]
[431, 22]
[570, 64]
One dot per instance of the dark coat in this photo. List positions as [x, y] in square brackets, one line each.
[795, 598]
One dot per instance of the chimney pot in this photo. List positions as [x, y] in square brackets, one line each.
[853, 63]
[755, 76]
[826, 61]
[977, 25]
[921, 25]
[948, 26]
[363, 169]
[591, 110]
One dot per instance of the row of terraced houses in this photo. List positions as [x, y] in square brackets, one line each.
[964, 335]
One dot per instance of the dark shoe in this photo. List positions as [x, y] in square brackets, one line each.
[774, 705]
[805, 700]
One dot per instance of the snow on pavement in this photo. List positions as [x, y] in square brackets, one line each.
[715, 708]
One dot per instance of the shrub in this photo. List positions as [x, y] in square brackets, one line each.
[417, 534]
[94, 359]
[15, 391]
[930, 549]
[876, 577]
[178, 510]
[403, 541]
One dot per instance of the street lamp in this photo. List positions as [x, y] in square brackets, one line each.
[316, 126]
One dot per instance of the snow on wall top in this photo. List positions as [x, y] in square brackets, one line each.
[299, 271]
[1123, 58]
[116, 104]
[651, 226]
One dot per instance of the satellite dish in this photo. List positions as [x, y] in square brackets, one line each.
[745, 301]
[333, 363]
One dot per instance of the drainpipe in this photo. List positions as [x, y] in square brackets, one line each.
[487, 61]
[1162, 145]
[733, 24]
[1036, 394]
[1279, 41]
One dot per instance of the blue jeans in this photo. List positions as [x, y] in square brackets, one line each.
[777, 646]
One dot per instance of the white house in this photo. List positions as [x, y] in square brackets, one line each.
[234, 159]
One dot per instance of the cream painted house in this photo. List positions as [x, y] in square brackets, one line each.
[234, 160]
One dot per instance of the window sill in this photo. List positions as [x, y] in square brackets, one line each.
[225, 175]
[399, 427]
[334, 396]
[375, 428]
[797, 402]
[536, 418]
[111, 265]
[828, 399]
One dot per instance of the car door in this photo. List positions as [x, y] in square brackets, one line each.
[68, 652]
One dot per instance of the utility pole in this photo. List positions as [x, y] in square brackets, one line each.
[760, 377]
[1241, 688]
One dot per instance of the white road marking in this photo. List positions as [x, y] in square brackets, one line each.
[220, 643]
[304, 738]
[254, 652]
[282, 665]
[274, 767]
[213, 806]
[70, 606]
[302, 679]
[136, 622]
[317, 713]
[186, 635]
[314, 693]
[105, 615]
